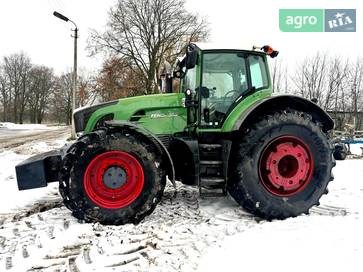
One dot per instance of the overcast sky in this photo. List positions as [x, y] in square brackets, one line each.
[29, 25]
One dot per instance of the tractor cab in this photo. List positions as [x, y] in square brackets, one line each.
[215, 80]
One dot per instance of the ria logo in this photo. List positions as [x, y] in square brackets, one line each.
[317, 20]
[340, 20]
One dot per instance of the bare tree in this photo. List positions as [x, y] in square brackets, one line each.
[86, 94]
[310, 77]
[280, 77]
[41, 86]
[356, 92]
[61, 100]
[16, 69]
[142, 32]
[336, 82]
[4, 95]
[117, 80]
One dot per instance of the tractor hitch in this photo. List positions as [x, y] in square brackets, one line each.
[39, 170]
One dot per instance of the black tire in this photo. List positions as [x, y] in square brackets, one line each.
[245, 184]
[339, 153]
[80, 156]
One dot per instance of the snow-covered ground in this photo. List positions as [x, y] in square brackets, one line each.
[305, 243]
[11, 199]
[12, 126]
[356, 149]
[184, 233]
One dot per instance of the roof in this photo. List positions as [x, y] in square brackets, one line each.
[214, 46]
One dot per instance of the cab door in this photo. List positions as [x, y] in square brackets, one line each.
[228, 77]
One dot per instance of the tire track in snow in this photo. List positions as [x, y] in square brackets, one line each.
[177, 232]
[172, 238]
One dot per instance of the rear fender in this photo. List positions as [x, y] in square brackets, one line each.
[282, 102]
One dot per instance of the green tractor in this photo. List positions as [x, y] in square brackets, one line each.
[224, 131]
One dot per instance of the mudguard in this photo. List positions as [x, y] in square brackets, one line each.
[280, 102]
[152, 139]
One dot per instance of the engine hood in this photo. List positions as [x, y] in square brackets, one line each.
[140, 109]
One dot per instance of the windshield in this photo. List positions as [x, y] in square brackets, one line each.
[224, 72]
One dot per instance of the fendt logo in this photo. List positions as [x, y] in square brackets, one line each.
[317, 20]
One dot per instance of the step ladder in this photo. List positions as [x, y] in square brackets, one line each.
[213, 168]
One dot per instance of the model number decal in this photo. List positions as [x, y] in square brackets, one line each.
[163, 115]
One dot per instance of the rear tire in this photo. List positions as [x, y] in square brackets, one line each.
[95, 192]
[268, 176]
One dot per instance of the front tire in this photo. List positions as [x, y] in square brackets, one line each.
[111, 178]
[282, 166]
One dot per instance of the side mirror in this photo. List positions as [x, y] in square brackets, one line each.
[191, 56]
[180, 69]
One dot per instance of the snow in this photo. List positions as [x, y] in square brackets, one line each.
[356, 149]
[10, 198]
[307, 243]
[313, 242]
[12, 126]
[184, 233]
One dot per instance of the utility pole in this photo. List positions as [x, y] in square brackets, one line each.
[74, 89]
[75, 78]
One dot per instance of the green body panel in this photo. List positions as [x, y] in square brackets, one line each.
[243, 106]
[229, 123]
[164, 113]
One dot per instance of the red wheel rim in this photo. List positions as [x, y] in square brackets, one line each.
[286, 166]
[113, 179]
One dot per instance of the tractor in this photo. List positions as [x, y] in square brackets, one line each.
[224, 131]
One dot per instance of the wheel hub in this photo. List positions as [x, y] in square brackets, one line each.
[286, 166]
[114, 177]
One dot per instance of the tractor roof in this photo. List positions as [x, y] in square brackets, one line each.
[221, 46]
[268, 50]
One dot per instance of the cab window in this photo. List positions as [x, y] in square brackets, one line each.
[258, 72]
[224, 79]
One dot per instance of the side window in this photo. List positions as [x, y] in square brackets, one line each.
[258, 72]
